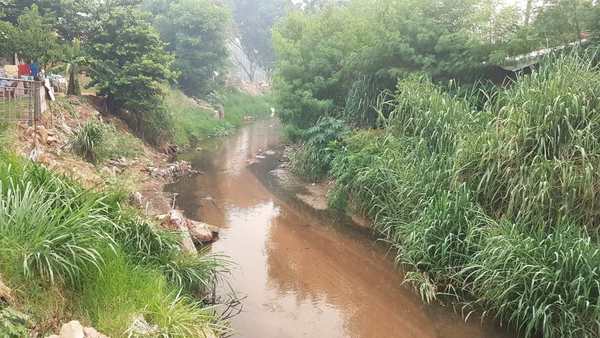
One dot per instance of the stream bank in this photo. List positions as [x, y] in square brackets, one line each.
[302, 271]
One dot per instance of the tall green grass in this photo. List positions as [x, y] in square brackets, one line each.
[495, 209]
[537, 160]
[84, 254]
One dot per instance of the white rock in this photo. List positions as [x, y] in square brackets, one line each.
[72, 329]
[90, 332]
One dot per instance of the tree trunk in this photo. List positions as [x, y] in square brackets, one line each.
[73, 88]
[528, 11]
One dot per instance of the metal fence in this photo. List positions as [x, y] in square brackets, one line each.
[21, 100]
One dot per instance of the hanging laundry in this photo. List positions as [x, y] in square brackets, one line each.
[11, 71]
[35, 69]
[24, 70]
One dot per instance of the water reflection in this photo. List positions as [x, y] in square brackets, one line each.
[303, 277]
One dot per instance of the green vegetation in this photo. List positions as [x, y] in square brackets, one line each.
[336, 59]
[492, 208]
[195, 32]
[74, 253]
[193, 122]
[96, 142]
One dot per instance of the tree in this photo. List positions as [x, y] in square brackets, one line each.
[195, 31]
[254, 21]
[38, 41]
[129, 64]
[562, 21]
[8, 36]
[323, 56]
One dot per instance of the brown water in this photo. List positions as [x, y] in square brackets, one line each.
[303, 274]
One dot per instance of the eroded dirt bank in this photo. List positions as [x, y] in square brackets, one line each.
[304, 272]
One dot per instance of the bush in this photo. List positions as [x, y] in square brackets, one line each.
[313, 159]
[88, 140]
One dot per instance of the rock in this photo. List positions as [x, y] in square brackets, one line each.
[176, 221]
[51, 140]
[43, 134]
[90, 332]
[5, 292]
[139, 326]
[53, 336]
[200, 232]
[72, 329]
[137, 199]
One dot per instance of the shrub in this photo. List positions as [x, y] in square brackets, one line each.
[313, 159]
[88, 139]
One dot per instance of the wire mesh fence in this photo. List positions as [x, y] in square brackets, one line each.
[20, 100]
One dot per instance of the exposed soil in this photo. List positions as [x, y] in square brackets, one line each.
[48, 144]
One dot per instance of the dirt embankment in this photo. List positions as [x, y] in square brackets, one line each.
[143, 175]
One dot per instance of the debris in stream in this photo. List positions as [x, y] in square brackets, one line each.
[174, 170]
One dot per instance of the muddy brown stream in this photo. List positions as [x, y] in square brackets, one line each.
[303, 274]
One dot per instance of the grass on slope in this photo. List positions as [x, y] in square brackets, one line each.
[193, 122]
[71, 253]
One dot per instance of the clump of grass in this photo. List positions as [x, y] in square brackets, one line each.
[192, 122]
[427, 111]
[54, 235]
[239, 105]
[121, 291]
[88, 139]
[13, 324]
[118, 144]
[537, 160]
[38, 234]
[541, 283]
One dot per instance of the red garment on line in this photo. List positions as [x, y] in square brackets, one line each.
[24, 70]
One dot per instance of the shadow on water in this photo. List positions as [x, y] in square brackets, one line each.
[304, 273]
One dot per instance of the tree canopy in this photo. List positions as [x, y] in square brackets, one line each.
[129, 64]
[195, 32]
[342, 54]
